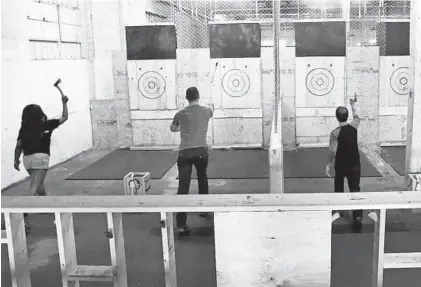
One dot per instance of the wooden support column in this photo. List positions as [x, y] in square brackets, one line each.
[117, 250]
[413, 146]
[18, 252]
[168, 249]
[378, 247]
[66, 247]
[276, 168]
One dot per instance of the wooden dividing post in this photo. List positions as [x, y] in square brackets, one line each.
[378, 248]
[117, 250]
[18, 253]
[168, 249]
[66, 247]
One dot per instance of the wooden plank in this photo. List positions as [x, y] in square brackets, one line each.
[66, 247]
[152, 115]
[92, 273]
[238, 113]
[413, 147]
[46, 31]
[17, 248]
[212, 202]
[261, 249]
[402, 260]
[168, 249]
[3, 237]
[70, 16]
[378, 248]
[276, 166]
[117, 250]
[315, 112]
[71, 33]
[393, 111]
[42, 12]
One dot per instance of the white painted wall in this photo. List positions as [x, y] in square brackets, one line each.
[25, 81]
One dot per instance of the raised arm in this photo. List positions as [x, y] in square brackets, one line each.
[65, 113]
[356, 118]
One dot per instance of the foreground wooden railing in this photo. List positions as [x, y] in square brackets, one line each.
[225, 207]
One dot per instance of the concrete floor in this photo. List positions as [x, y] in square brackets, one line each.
[351, 253]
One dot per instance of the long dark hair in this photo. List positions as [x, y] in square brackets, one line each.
[32, 126]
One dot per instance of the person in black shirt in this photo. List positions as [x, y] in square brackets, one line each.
[345, 157]
[34, 141]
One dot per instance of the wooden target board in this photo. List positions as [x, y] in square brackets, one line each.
[152, 84]
[236, 83]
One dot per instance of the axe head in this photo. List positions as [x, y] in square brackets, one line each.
[57, 82]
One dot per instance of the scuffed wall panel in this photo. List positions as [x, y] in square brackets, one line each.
[363, 80]
[392, 129]
[104, 124]
[193, 71]
[104, 83]
[121, 86]
[315, 126]
[154, 133]
[124, 123]
[260, 248]
[237, 131]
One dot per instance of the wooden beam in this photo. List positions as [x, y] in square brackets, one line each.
[18, 253]
[212, 202]
[402, 260]
[413, 147]
[97, 273]
[168, 249]
[66, 247]
[117, 250]
[378, 248]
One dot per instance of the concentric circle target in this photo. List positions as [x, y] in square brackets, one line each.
[399, 81]
[151, 85]
[320, 82]
[236, 83]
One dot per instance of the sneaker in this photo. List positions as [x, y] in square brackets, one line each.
[183, 231]
[335, 216]
[27, 229]
[358, 224]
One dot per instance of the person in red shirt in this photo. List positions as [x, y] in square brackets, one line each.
[34, 142]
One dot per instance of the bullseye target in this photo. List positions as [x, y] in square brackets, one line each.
[236, 83]
[320, 82]
[399, 81]
[151, 85]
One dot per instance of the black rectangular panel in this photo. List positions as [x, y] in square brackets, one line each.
[157, 42]
[320, 39]
[397, 39]
[239, 40]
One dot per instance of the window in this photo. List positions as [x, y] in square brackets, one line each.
[55, 29]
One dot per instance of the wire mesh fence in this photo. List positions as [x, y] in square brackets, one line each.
[365, 18]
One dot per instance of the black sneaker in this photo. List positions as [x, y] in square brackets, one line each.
[205, 214]
[183, 231]
[358, 224]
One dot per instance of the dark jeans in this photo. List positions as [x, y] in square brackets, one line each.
[186, 159]
[353, 175]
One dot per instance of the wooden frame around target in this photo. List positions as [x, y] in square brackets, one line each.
[236, 83]
[320, 82]
[151, 85]
[399, 81]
